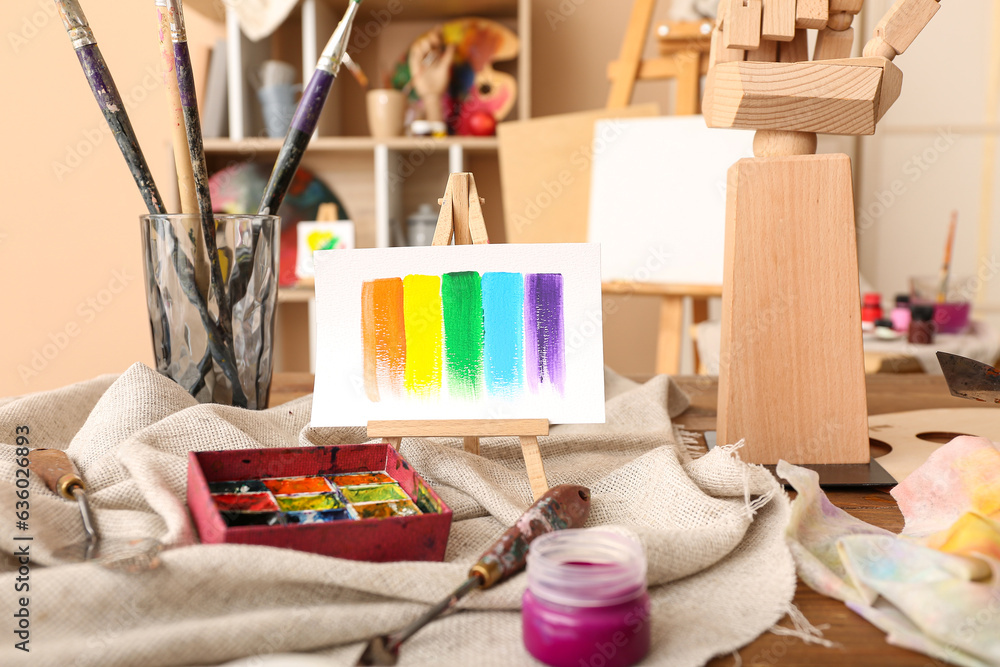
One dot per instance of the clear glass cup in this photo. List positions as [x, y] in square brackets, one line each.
[191, 342]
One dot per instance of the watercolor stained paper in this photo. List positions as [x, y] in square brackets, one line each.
[463, 332]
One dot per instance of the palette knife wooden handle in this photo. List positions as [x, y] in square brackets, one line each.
[57, 470]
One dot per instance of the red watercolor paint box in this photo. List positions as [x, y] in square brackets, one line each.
[361, 502]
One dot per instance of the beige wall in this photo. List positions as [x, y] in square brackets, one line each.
[70, 266]
[72, 299]
[934, 152]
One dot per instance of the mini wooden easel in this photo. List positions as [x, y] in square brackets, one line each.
[791, 316]
[461, 217]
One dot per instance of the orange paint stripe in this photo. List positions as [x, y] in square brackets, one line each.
[368, 341]
[383, 336]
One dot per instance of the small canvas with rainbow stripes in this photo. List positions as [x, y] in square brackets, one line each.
[462, 332]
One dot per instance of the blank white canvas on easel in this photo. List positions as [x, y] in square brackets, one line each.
[658, 197]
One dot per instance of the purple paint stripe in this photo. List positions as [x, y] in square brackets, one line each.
[185, 80]
[545, 348]
[532, 364]
[313, 98]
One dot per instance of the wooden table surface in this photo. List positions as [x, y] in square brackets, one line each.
[859, 643]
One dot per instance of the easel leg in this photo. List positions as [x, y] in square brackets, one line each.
[471, 444]
[631, 54]
[533, 463]
[668, 342]
[699, 313]
[394, 442]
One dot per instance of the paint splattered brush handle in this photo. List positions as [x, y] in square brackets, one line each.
[199, 168]
[307, 114]
[564, 506]
[106, 94]
[182, 161]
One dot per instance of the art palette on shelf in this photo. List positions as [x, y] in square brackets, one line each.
[362, 502]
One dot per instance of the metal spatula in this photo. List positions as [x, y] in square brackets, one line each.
[61, 476]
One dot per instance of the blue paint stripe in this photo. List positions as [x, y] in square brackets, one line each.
[503, 320]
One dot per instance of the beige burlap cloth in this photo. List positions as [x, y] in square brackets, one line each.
[713, 528]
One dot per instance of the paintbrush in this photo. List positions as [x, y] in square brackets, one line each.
[106, 94]
[199, 169]
[182, 160]
[563, 506]
[942, 294]
[307, 114]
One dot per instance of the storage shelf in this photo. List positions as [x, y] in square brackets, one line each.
[296, 294]
[424, 10]
[354, 144]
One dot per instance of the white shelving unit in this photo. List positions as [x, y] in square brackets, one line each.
[398, 168]
[379, 182]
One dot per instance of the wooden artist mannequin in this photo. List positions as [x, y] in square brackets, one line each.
[791, 330]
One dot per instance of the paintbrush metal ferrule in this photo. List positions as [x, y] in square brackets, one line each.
[75, 23]
[178, 33]
[102, 85]
[332, 56]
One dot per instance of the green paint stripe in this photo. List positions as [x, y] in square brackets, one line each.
[462, 302]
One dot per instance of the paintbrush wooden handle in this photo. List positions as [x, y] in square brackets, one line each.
[199, 168]
[299, 133]
[561, 507]
[182, 161]
[106, 94]
[56, 470]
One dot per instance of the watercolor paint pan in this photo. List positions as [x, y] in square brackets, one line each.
[414, 527]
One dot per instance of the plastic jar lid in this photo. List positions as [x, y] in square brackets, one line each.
[586, 568]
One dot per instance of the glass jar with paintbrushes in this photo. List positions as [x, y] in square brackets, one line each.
[211, 281]
[219, 352]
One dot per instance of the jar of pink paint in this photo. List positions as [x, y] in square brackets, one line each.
[586, 603]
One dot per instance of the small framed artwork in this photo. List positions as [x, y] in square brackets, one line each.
[321, 235]
[459, 332]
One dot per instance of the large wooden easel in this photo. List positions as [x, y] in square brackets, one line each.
[684, 56]
[684, 47]
[461, 218]
[791, 329]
